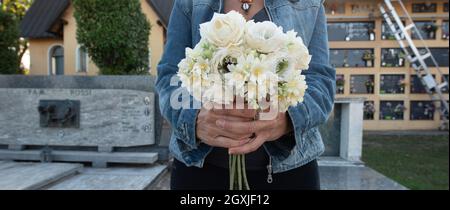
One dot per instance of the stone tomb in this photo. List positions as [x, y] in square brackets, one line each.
[107, 119]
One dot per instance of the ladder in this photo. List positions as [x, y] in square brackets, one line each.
[417, 58]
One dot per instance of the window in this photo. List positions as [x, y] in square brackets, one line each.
[386, 32]
[344, 58]
[392, 84]
[56, 60]
[445, 79]
[392, 110]
[369, 110]
[445, 34]
[446, 7]
[392, 57]
[424, 7]
[417, 87]
[427, 30]
[334, 7]
[81, 59]
[422, 110]
[340, 84]
[351, 31]
[439, 54]
[362, 84]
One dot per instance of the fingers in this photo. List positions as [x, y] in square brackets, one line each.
[225, 142]
[232, 135]
[244, 127]
[249, 147]
[236, 112]
[207, 130]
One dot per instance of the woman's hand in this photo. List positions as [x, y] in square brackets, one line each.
[209, 133]
[265, 130]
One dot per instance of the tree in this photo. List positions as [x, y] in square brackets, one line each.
[115, 34]
[18, 9]
[9, 44]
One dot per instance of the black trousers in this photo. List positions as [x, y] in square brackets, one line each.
[211, 177]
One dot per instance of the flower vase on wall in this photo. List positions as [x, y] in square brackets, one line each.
[400, 61]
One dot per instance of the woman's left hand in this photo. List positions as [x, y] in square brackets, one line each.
[264, 130]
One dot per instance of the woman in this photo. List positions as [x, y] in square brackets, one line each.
[281, 153]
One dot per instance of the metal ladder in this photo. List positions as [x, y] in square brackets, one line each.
[418, 60]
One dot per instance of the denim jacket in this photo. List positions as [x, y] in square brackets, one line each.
[307, 17]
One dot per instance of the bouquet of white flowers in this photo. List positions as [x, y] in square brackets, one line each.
[254, 61]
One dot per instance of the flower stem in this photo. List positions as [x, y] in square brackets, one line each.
[239, 169]
[244, 174]
[232, 160]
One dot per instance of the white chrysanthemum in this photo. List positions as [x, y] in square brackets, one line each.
[296, 48]
[224, 30]
[265, 37]
[218, 92]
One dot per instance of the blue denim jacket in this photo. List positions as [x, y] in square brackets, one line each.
[307, 17]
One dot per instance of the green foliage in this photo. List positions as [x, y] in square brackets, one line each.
[115, 34]
[9, 44]
[18, 9]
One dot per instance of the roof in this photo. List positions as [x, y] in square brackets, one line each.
[163, 9]
[40, 20]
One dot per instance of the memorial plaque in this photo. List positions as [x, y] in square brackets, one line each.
[106, 117]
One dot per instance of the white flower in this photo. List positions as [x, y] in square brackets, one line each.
[265, 37]
[218, 58]
[281, 62]
[224, 30]
[297, 49]
[218, 92]
[254, 61]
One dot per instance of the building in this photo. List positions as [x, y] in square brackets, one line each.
[50, 27]
[369, 61]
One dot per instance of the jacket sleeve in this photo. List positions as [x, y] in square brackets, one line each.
[319, 97]
[182, 120]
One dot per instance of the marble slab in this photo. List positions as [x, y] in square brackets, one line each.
[33, 176]
[112, 179]
[355, 178]
[109, 117]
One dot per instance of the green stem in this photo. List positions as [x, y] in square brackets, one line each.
[244, 172]
[232, 171]
[239, 174]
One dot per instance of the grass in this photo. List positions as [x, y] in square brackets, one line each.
[416, 162]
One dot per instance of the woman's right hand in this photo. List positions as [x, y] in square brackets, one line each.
[209, 133]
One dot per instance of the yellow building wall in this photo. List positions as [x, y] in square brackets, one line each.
[39, 47]
[377, 70]
[39, 50]
[71, 46]
[156, 42]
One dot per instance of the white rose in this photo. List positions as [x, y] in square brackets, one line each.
[224, 30]
[265, 37]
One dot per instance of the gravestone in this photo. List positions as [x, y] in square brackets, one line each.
[102, 119]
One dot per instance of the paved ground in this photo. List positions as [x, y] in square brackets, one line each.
[338, 177]
[407, 133]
